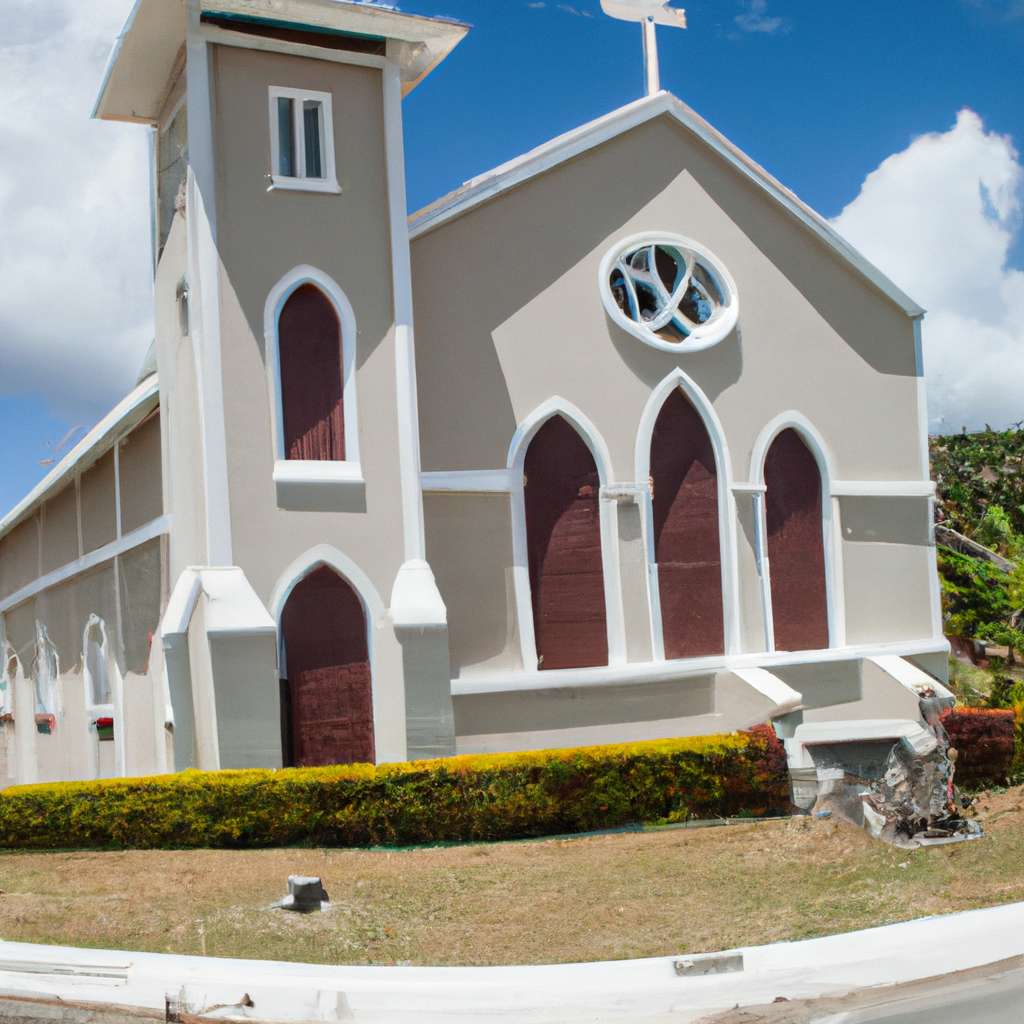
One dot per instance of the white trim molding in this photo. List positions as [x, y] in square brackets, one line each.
[830, 522]
[295, 477]
[591, 437]
[326, 554]
[89, 561]
[724, 314]
[884, 488]
[726, 505]
[493, 481]
[683, 668]
[406, 397]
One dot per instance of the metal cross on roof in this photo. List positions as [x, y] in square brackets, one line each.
[649, 13]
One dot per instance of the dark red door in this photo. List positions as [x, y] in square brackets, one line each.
[563, 531]
[328, 666]
[796, 548]
[309, 350]
[684, 486]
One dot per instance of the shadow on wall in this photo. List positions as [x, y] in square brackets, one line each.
[473, 257]
[837, 294]
[717, 368]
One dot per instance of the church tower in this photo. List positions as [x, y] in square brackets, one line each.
[304, 625]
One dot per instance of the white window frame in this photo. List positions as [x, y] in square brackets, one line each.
[302, 183]
[315, 484]
[703, 336]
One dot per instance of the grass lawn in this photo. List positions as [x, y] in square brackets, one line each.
[597, 898]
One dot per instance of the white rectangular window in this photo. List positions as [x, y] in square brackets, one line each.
[302, 140]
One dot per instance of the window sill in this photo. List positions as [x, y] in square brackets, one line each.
[278, 181]
[313, 486]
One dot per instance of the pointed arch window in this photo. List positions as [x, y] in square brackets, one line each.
[687, 548]
[563, 531]
[311, 331]
[312, 398]
[796, 545]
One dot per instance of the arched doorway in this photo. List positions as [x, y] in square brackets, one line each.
[684, 498]
[563, 533]
[329, 695]
[312, 379]
[796, 548]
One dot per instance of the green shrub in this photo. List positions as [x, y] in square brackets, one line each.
[473, 797]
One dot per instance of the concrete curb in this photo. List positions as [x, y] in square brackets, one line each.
[620, 990]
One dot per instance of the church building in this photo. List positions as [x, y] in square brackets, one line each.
[618, 441]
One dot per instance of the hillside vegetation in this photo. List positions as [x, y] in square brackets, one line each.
[980, 480]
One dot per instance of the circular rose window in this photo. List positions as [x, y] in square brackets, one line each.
[669, 292]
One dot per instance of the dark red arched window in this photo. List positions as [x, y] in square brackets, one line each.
[796, 549]
[309, 349]
[327, 661]
[563, 532]
[684, 495]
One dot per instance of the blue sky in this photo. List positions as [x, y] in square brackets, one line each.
[820, 93]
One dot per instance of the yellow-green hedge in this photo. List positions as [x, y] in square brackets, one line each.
[473, 797]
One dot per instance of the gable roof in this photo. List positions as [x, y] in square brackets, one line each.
[564, 147]
[123, 418]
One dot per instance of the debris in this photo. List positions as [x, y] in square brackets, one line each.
[305, 895]
[901, 792]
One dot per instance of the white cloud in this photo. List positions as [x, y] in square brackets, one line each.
[75, 262]
[939, 219]
[755, 18]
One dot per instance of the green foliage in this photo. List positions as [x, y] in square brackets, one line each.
[468, 798]
[1006, 693]
[977, 473]
[981, 494]
[976, 599]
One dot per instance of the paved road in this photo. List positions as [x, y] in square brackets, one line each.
[998, 1000]
[984, 995]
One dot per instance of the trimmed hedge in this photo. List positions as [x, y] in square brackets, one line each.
[985, 740]
[473, 797]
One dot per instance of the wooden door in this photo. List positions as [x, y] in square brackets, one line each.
[309, 351]
[563, 531]
[328, 665]
[796, 548]
[684, 494]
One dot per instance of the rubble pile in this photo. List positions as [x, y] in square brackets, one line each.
[901, 792]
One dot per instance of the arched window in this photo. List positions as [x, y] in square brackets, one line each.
[329, 696]
[563, 533]
[796, 548]
[45, 667]
[312, 377]
[684, 498]
[97, 681]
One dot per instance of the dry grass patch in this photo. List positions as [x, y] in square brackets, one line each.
[605, 897]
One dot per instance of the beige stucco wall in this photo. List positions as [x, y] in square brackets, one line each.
[141, 475]
[127, 592]
[98, 500]
[263, 235]
[469, 545]
[19, 556]
[509, 314]
[59, 527]
[806, 321]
